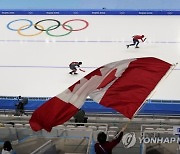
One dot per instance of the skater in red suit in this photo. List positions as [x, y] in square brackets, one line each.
[136, 39]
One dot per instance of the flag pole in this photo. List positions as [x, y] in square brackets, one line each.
[123, 128]
[154, 90]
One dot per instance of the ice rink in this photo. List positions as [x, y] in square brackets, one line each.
[34, 63]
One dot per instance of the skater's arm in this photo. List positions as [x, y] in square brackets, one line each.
[143, 40]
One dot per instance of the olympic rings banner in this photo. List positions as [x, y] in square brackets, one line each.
[40, 27]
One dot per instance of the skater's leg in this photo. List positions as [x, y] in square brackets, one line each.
[137, 43]
[134, 42]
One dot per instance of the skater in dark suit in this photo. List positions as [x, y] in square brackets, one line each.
[73, 66]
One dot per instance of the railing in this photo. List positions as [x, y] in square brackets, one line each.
[43, 148]
[158, 137]
[22, 132]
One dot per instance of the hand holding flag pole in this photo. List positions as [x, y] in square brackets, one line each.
[123, 128]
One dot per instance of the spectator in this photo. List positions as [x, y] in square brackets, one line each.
[11, 123]
[7, 148]
[106, 147]
[80, 117]
[22, 101]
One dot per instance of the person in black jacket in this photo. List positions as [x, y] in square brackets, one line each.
[22, 101]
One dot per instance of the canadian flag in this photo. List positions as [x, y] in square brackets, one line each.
[122, 85]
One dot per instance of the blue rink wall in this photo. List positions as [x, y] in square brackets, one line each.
[93, 7]
[151, 107]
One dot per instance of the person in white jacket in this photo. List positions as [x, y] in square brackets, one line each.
[7, 148]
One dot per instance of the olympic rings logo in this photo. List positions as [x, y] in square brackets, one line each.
[38, 26]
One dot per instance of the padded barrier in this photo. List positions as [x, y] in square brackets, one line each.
[151, 107]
